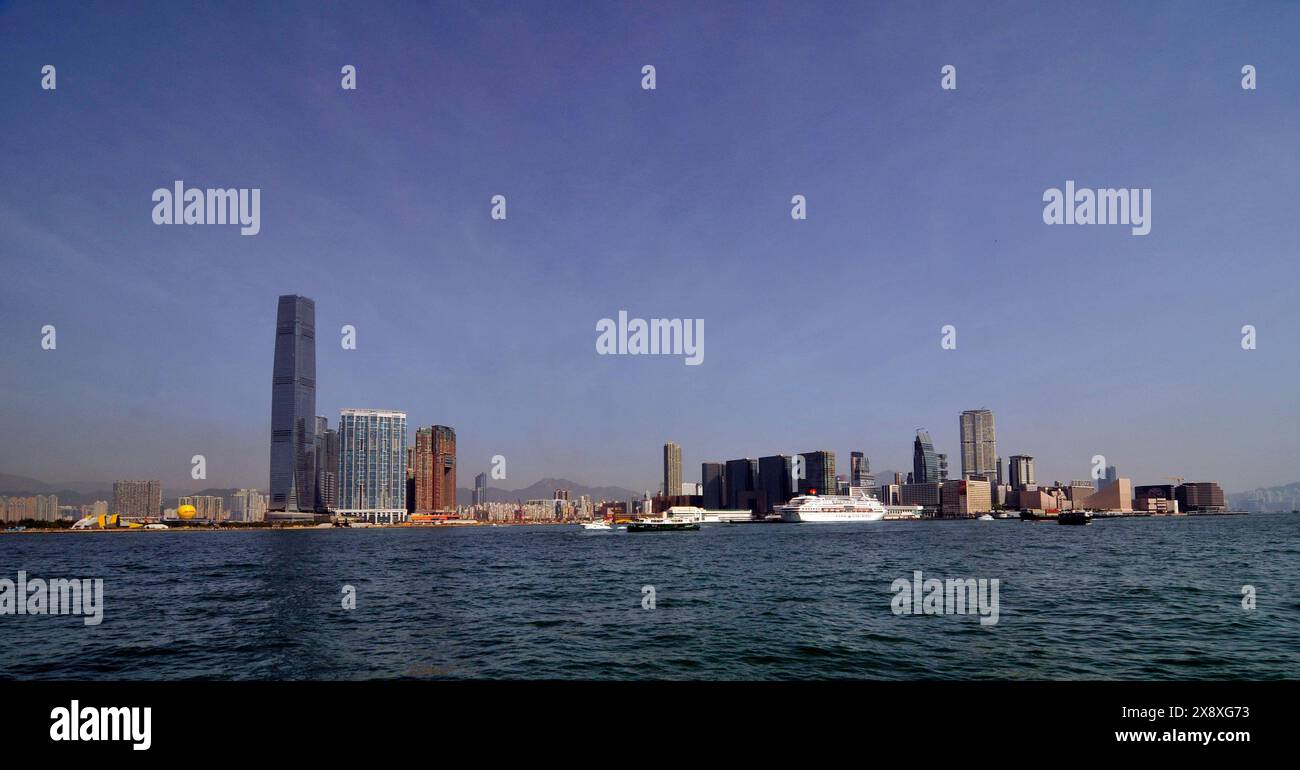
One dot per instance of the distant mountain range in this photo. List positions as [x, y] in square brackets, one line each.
[69, 493]
[1267, 499]
[545, 490]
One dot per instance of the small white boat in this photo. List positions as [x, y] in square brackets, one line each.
[986, 517]
[597, 525]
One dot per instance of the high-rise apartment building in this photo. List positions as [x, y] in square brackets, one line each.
[206, 507]
[1021, 471]
[137, 499]
[248, 505]
[372, 464]
[435, 469]
[979, 446]
[293, 410]
[480, 489]
[327, 465]
[672, 469]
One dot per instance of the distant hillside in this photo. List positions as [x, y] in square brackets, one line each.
[1267, 499]
[69, 493]
[545, 489]
[86, 492]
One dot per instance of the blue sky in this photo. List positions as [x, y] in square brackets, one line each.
[924, 209]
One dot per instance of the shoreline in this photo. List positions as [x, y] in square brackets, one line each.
[489, 525]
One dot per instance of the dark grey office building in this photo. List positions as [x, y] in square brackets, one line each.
[925, 463]
[819, 473]
[293, 409]
[775, 479]
[742, 484]
[713, 477]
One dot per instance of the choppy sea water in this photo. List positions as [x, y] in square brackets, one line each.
[1143, 598]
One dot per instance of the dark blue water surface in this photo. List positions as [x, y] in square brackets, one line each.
[1144, 598]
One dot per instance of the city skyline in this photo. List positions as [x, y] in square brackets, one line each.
[622, 199]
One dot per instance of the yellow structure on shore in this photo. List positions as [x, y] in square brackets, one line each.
[105, 521]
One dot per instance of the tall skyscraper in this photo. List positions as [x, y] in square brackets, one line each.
[819, 473]
[925, 463]
[293, 410]
[480, 488]
[776, 479]
[943, 466]
[860, 470]
[742, 484]
[1109, 478]
[435, 469]
[713, 479]
[137, 499]
[327, 465]
[1021, 471]
[979, 446]
[672, 469]
[372, 464]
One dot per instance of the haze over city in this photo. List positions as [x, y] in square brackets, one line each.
[924, 209]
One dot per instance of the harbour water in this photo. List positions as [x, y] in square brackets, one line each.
[1143, 598]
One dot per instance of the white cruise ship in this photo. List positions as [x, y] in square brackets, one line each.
[832, 508]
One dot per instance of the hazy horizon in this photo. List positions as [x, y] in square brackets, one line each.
[924, 209]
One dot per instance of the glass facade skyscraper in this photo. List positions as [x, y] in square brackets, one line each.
[925, 463]
[713, 479]
[372, 464]
[776, 477]
[742, 484]
[293, 409]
